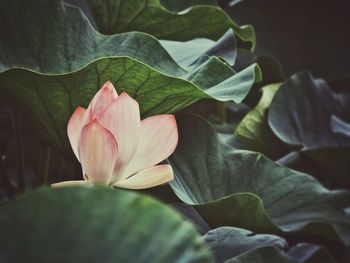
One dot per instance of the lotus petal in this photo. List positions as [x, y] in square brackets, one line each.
[74, 127]
[102, 99]
[122, 119]
[98, 152]
[71, 183]
[150, 177]
[158, 140]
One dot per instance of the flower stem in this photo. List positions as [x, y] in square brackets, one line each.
[221, 111]
[47, 165]
[5, 180]
[20, 153]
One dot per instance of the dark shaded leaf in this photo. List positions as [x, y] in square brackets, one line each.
[263, 255]
[305, 113]
[301, 111]
[310, 253]
[191, 213]
[228, 242]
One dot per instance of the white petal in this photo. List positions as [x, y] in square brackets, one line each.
[150, 177]
[158, 140]
[71, 183]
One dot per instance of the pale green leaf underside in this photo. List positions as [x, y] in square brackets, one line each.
[192, 52]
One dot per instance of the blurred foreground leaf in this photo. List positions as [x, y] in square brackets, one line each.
[95, 225]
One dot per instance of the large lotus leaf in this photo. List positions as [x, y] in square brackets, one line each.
[95, 225]
[51, 38]
[189, 53]
[245, 189]
[301, 113]
[253, 132]
[228, 242]
[115, 16]
[307, 114]
[263, 255]
[185, 53]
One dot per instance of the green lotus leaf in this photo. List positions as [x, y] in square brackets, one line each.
[116, 16]
[228, 242]
[245, 189]
[315, 124]
[95, 225]
[253, 132]
[263, 255]
[188, 54]
[310, 122]
[311, 253]
[52, 60]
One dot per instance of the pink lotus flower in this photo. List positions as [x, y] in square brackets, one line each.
[115, 147]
